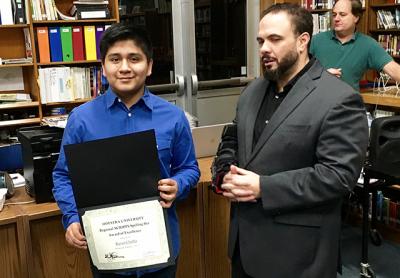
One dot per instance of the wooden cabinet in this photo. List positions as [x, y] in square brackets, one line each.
[33, 239]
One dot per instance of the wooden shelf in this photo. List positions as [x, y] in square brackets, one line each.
[14, 26]
[72, 22]
[69, 63]
[79, 101]
[16, 65]
[19, 105]
[384, 31]
[315, 11]
[20, 122]
[380, 99]
[385, 6]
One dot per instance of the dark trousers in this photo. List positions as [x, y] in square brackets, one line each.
[237, 267]
[167, 272]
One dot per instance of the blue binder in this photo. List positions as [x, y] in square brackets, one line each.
[55, 44]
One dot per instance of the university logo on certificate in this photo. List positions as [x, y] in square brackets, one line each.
[115, 188]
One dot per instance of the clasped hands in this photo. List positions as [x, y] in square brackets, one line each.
[168, 190]
[241, 185]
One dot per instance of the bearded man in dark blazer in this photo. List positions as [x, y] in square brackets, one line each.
[301, 139]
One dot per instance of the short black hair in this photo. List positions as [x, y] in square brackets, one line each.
[122, 32]
[301, 19]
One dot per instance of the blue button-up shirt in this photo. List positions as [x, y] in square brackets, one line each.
[107, 116]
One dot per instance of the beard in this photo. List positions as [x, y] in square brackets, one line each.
[284, 67]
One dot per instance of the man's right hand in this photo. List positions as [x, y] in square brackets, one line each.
[337, 72]
[75, 237]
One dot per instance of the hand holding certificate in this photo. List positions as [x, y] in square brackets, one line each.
[115, 187]
[131, 235]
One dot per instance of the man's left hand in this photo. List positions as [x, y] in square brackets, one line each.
[168, 189]
[241, 185]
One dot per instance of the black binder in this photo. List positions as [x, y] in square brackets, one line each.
[115, 169]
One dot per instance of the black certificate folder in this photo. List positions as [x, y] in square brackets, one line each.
[114, 179]
[115, 169]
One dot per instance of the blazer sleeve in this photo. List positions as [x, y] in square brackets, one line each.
[339, 154]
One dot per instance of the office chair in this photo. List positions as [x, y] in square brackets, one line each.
[383, 163]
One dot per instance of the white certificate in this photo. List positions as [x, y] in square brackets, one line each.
[127, 236]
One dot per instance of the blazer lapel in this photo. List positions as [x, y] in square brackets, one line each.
[254, 106]
[303, 87]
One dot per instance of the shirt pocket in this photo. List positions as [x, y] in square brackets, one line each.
[164, 151]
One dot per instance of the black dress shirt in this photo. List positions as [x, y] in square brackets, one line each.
[272, 99]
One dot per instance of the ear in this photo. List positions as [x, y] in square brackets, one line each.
[357, 19]
[302, 42]
[150, 67]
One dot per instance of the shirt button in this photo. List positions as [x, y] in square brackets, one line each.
[266, 122]
[129, 114]
[276, 96]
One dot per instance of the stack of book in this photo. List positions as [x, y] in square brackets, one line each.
[90, 9]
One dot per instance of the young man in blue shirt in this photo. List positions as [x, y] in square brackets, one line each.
[128, 107]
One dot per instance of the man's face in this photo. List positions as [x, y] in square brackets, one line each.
[279, 50]
[343, 19]
[126, 68]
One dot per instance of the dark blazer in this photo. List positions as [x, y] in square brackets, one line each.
[308, 157]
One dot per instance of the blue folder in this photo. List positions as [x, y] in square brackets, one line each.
[55, 44]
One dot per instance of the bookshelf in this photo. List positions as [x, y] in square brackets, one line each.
[203, 39]
[14, 48]
[384, 25]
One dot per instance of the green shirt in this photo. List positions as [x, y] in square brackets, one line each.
[354, 57]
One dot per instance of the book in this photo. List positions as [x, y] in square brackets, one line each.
[15, 97]
[55, 44]
[6, 12]
[77, 43]
[66, 44]
[28, 43]
[19, 11]
[90, 42]
[99, 34]
[43, 44]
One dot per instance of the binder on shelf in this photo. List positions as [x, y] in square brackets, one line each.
[90, 42]
[6, 12]
[66, 44]
[55, 44]
[92, 11]
[19, 11]
[43, 44]
[99, 34]
[77, 43]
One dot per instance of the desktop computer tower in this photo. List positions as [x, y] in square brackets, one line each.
[40, 150]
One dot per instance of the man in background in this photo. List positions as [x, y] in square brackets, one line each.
[347, 53]
[126, 107]
[301, 137]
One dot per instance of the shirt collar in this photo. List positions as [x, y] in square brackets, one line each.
[334, 37]
[112, 98]
[293, 81]
[273, 87]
